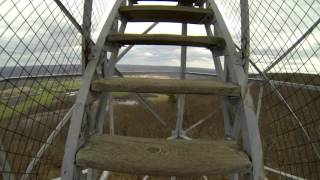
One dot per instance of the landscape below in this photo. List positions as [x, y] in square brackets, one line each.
[132, 119]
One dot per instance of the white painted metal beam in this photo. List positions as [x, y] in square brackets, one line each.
[296, 119]
[68, 167]
[201, 121]
[5, 165]
[123, 53]
[46, 145]
[303, 37]
[178, 132]
[245, 34]
[149, 107]
[281, 173]
[221, 74]
[69, 15]
[296, 85]
[250, 121]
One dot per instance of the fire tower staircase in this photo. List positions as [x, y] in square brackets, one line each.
[240, 154]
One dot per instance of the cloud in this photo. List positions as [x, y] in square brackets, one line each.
[275, 26]
[167, 55]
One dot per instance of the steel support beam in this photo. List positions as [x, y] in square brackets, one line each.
[109, 70]
[46, 145]
[138, 97]
[123, 53]
[259, 104]
[277, 83]
[111, 114]
[69, 15]
[216, 58]
[178, 132]
[249, 120]
[68, 167]
[305, 35]
[126, 50]
[296, 85]
[149, 107]
[201, 121]
[85, 57]
[104, 175]
[67, 171]
[295, 117]
[5, 166]
[245, 34]
[141, 99]
[86, 33]
[221, 74]
[284, 174]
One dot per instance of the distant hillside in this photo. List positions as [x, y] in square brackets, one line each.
[18, 71]
[6, 72]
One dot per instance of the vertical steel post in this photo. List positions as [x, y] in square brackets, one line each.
[68, 166]
[86, 33]
[181, 100]
[250, 128]
[110, 69]
[259, 104]
[183, 64]
[178, 132]
[245, 34]
[221, 74]
[5, 165]
[85, 58]
[255, 151]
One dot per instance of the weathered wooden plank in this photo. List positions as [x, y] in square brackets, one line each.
[163, 157]
[182, 2]
[214, 43]
[179, 14]
[174, 86]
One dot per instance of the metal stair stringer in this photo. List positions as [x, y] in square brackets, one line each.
[69, 170]
[248, 118]
[249, 121]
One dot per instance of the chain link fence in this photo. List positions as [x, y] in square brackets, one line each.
[40, 69]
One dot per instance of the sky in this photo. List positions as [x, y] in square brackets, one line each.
[165, 55]
[37, 32]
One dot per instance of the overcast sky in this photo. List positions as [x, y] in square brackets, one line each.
[44, 36]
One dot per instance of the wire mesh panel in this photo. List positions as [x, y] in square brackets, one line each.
[39, 69]
[75, 8]
[281, 49]
[284, 41]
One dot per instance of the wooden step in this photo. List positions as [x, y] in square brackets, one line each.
[215, 43]
[160, 157]
[180, 14]
[181, 2]
[174, 86]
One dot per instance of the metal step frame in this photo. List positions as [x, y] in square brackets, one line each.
[244, 121]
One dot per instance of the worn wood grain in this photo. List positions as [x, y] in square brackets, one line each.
[163, 157]
[181, 2]
[173, 86]
[179, 14]
[215, 43]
